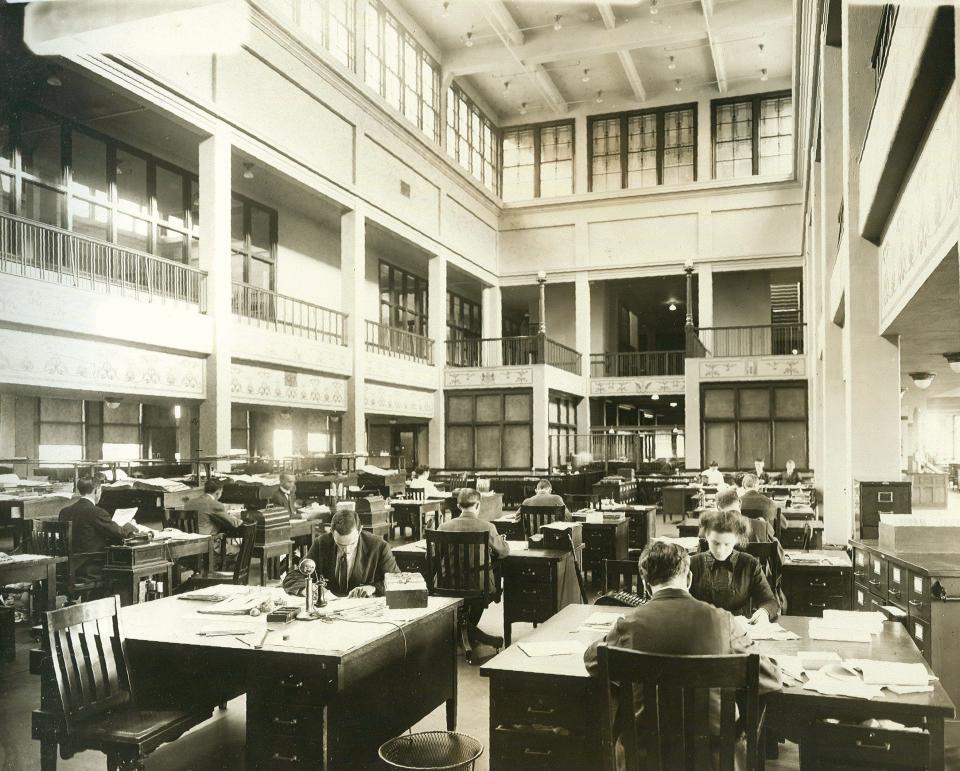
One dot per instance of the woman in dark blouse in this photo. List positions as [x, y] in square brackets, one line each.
[728, 578]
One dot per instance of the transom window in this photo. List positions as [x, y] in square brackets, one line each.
[333, 23]
[472, 138]
[538, 161]
[401, 71]
[753, 135]
[643, 149]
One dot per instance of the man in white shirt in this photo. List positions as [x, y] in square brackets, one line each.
[713, 475]
[421, 481]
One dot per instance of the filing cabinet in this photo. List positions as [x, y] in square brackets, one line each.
[811, 588]
[876, 498]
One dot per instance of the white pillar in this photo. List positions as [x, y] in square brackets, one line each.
[704, 295]
[583, 345]
[8, 429]
[437, 328]
[353, 252]
[541, 404]
[214, 163]
[492, 321]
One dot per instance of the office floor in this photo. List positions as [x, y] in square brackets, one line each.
[218, 744]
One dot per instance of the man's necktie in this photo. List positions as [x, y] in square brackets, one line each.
[342, 572]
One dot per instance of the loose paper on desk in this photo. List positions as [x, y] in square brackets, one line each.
[891, 672]
[123, 516]
[559, 648]
[600, 622]
[517, 546]
[816, 659]
[763, 629]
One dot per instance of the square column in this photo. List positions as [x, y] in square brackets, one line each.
[583, 345]
[353, 252]
[214, 163]
[437, 328]
[8, 425]
[492, 324]
[704, 316]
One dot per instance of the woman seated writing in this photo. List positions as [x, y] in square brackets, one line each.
[726, 577]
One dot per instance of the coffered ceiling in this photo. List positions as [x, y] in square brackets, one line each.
[533, 60]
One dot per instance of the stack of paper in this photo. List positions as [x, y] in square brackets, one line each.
[846, 626]
[123, 516]
[517, 546]
[763, 630]
[600, 622]
[887, 673]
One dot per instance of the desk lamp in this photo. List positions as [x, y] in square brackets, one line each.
[308, 567]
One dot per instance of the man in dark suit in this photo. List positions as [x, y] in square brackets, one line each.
[93, 530]
[352, 561]
[674, 623]
[286, 495]
[762, 476]
[546, 497]
[212, 516]
[755, 504]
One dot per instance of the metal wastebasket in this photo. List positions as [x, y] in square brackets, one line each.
[432, 751]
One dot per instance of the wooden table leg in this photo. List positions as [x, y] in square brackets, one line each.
[935, 727]
[48, 755]
[50, 591]
[452, 702]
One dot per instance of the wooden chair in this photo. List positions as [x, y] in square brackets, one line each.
[187, 521]
[458, 565]
[673, 731]
[88, 654]
[416, 494]
[622, 575]
[55, 539]
[533, 517]
[241, 570]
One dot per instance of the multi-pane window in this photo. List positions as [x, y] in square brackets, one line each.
[562, 429]
[401, 71]
[537, 161]
[753, 135]
[66, 175]
[403, 299]
[472, 138]
[253, 239]
[333, 23]
[489, 430]
[464, 328]
[643, 149]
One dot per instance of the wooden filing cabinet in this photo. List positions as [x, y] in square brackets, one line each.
[927, 588]
[876, 498]
[536, 585]
[604, 541]
[812, 588]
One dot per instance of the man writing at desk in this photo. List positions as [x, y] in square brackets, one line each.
[545, 497]
[674, 623]
[93, 530]
[352, 561]
[214, 519]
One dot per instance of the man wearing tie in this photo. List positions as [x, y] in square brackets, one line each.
[286, 496]
[352, 561]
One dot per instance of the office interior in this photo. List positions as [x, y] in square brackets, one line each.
[601, 243]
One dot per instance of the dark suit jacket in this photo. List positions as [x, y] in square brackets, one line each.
[790, 479]
[373, 560]
[212, 516]
[733, 587]
[280, 498]
[547, 499]
[752, 501]
[674, 623]
[93, 531]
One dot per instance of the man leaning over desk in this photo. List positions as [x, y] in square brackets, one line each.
[674, 623]
[352, 561]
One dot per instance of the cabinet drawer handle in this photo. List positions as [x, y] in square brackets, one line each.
[873, 583]
[815, 582]
[915, 604]
[822, 605]
[541, 753]
[281, 721]
[894, 592]
[536, 711]
[885, 747]
[291, 683]
[291, 759]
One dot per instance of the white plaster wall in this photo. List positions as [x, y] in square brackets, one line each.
[308, 259]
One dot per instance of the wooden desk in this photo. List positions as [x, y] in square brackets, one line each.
[555, 692]
[27, 568]
[537, 583]
[643, 523]
[603, 541]
[329, 695]
[178, 550]
[791, 533]
[510, 527]
[303, 532]
[810, 587]
[688, 528]
[416, 513]
[680, 500]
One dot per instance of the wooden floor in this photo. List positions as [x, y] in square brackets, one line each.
[218, 744]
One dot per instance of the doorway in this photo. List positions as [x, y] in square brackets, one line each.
[404, 444]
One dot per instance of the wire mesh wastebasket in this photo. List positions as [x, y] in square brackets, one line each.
[432, 751]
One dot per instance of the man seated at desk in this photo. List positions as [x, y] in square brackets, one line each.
[726, 577]
[352, 561]
[791, 476]
[421, 481]
[544, 496]
[93, 530]
[469, 502]
[213, 518]
[712, 475]
[675, 622]
[756, 529]
[286, 495]
[762, 476]
[755, 504]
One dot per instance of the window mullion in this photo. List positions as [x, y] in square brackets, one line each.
[661, 144]
[624, 123]
[755, 134]
[536, 162]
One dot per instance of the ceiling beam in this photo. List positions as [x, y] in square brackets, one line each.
[626, 60]
[715, 53]
[498, 17]
[549, 90]
[582, 41]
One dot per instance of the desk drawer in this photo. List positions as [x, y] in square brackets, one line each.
[291, 720]
[896, 582]
[280, 754]
[529, 750]
[545, 705]
[819, 583]
[920, 632]
[528, 572]
[287, 686]
[815, 604]
[918, 595]
[530, 608]
[838, 743]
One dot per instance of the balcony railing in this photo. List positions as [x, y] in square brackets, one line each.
[288, 315]
[636, 364]
[35, 250]
[398, 343]
[768, 340]
[512, 352]
[881, 46]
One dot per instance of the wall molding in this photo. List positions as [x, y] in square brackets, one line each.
[390, 400]
[753, 368]
[627, 386]
[250, 384]
[487, 377]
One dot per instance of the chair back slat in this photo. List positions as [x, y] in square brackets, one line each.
[86, 644]
[458, 563]
[54, 538]
[241, 571]
[187, 521]
[534, 517]
[416, 494]
[674, 730]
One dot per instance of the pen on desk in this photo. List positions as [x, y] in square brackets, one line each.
[260, 644]
[242, 640]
